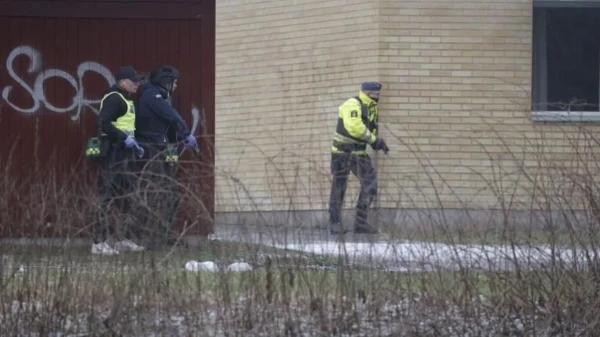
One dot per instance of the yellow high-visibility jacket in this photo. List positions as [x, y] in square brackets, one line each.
[116, 118]
[356, 126]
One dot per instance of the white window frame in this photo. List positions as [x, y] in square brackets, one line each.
[539, 86]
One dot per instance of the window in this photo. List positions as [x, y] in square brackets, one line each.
[566, 60]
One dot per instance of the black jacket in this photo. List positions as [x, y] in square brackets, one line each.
[156, 119]
[113, 108]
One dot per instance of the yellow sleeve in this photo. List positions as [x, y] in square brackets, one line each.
[351, 112]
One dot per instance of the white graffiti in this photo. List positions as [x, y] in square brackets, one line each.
[37, 92]
[195, 119]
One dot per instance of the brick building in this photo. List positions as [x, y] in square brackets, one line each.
[57, 58]
[464, 108]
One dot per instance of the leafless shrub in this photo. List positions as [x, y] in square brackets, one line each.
[525, 266]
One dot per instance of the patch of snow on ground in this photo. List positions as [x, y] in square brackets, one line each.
[239, 266]
[196, 266]
[444, 255]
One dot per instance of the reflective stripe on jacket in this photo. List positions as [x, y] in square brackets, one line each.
[126, 122]
[356, 125]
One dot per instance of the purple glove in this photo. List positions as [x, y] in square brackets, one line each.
[190, 141]
[129, 141]
[140, 150]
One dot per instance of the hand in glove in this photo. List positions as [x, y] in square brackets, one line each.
[140, 150]
[380, 144]
[190, 141]
[129, 141]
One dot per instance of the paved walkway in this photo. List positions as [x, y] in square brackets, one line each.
[406, 255]
[397, 254]
[284, 236]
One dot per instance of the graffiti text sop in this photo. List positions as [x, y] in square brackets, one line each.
[37, 91]
[39, 96]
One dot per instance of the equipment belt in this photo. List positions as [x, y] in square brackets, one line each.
[349, 147]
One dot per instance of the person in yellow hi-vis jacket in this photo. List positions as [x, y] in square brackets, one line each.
[356, 127]
[116, 122]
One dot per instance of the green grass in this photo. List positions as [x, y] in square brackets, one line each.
[180, 283]
[137, 286]
[217, 251]
[514, 236]
[48, 269]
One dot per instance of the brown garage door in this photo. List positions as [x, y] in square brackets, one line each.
[56, 58]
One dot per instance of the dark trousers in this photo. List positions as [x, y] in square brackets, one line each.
[361, 166]
[116, 186]
[160, 194]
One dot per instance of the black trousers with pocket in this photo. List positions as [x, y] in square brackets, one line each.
[160, 194]
[116, 186]
[362, 167]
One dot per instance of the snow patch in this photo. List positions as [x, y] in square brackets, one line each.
[444, 255]
[198, 266]
[239, 266]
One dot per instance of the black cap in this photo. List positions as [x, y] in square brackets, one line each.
[128, 72]
[371, 86]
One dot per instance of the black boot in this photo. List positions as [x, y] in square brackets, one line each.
[364, 228]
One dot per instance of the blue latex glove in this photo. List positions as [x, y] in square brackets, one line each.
[129, 141]
[140, 150]
[190, 141]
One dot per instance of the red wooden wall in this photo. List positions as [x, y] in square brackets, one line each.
[56, 58]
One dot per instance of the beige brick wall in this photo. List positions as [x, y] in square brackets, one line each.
[282, 69]
[458, 108]
[457, 78]
[456, 69]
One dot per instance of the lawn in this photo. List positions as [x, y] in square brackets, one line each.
[48, 290]
[500, 236]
